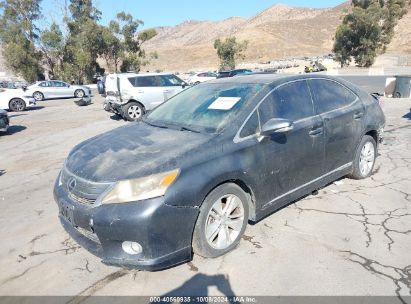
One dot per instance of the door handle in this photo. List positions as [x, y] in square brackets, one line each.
[358, 115]
[316, 131]
[140, 91]
[167, 91]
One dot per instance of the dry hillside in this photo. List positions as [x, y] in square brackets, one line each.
[280, 31]
[401, 43]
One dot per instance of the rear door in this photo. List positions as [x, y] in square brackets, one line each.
[147, 90]
[342, 112]
[295, 158]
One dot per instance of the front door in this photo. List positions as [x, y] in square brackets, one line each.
[295, 158]
[171, 85]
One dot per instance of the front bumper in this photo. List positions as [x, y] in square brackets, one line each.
[163, 231]
[30, 101]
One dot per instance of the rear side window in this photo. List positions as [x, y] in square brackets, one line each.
[143, 81]
[291, 101]
[251, 127]
[330, 95]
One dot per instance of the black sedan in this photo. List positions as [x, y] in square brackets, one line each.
[191, 175]
[4, 121]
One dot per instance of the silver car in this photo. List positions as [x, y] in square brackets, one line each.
[53, 89]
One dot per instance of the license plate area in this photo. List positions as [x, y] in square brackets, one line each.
[67, 212]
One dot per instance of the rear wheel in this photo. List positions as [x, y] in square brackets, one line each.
[365, 156]
[397, 95]
[222, 221]
[17, 105]
[133, 111]
[79, 93]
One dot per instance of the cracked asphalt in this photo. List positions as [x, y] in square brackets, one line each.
[352, 238]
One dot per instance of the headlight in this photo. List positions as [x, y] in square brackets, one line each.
[141, 188]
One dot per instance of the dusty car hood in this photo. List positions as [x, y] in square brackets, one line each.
[132, 151]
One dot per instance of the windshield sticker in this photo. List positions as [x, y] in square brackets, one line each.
[224, 103]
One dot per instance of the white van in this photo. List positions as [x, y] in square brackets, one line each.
[131, 95]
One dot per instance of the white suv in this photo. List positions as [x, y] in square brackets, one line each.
[131, 95]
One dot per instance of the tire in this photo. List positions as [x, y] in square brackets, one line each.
[397, 95]
[17, 105]
[38, 96]
[133, 111]
[79, 93]
[365, 156]
[210, 232]
[197, 83]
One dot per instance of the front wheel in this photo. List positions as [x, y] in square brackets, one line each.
[222, 221]
[364, 159]
[133, 111]
[17, 105]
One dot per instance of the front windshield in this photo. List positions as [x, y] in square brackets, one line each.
[206, 107]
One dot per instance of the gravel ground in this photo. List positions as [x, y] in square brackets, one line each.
[353, 238]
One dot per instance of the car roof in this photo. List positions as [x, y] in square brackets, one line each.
[142, 74]
[275, 79]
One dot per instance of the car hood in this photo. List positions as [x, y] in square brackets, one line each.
[133, 151]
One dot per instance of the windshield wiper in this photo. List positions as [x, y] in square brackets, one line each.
[189, 129]
[154, 125]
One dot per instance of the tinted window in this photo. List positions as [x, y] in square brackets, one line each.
[45, 84]
[169, 81]
[251, 127]
[291, 101]
[143, 81]
[330, 95]
[59, 84]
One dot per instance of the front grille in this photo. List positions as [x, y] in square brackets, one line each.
[81, 190]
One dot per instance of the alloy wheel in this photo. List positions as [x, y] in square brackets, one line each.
[38, 96]
[367, 158]
[224, 221]
[134, 112]
[79, 93]
[17, 105]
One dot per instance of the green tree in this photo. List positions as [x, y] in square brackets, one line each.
[52, 47]
[228, 51]
[367, 30]
[18, 35]
[123, 44]
[84, 42]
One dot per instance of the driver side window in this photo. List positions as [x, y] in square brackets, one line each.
[291, 101]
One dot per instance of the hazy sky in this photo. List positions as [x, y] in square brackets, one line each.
[163, 12]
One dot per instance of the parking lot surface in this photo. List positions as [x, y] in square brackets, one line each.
[353, 238]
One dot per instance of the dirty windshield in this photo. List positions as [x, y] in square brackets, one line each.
[203, 108]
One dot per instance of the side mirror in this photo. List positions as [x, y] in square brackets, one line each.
[276, 125]
[184, 84]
